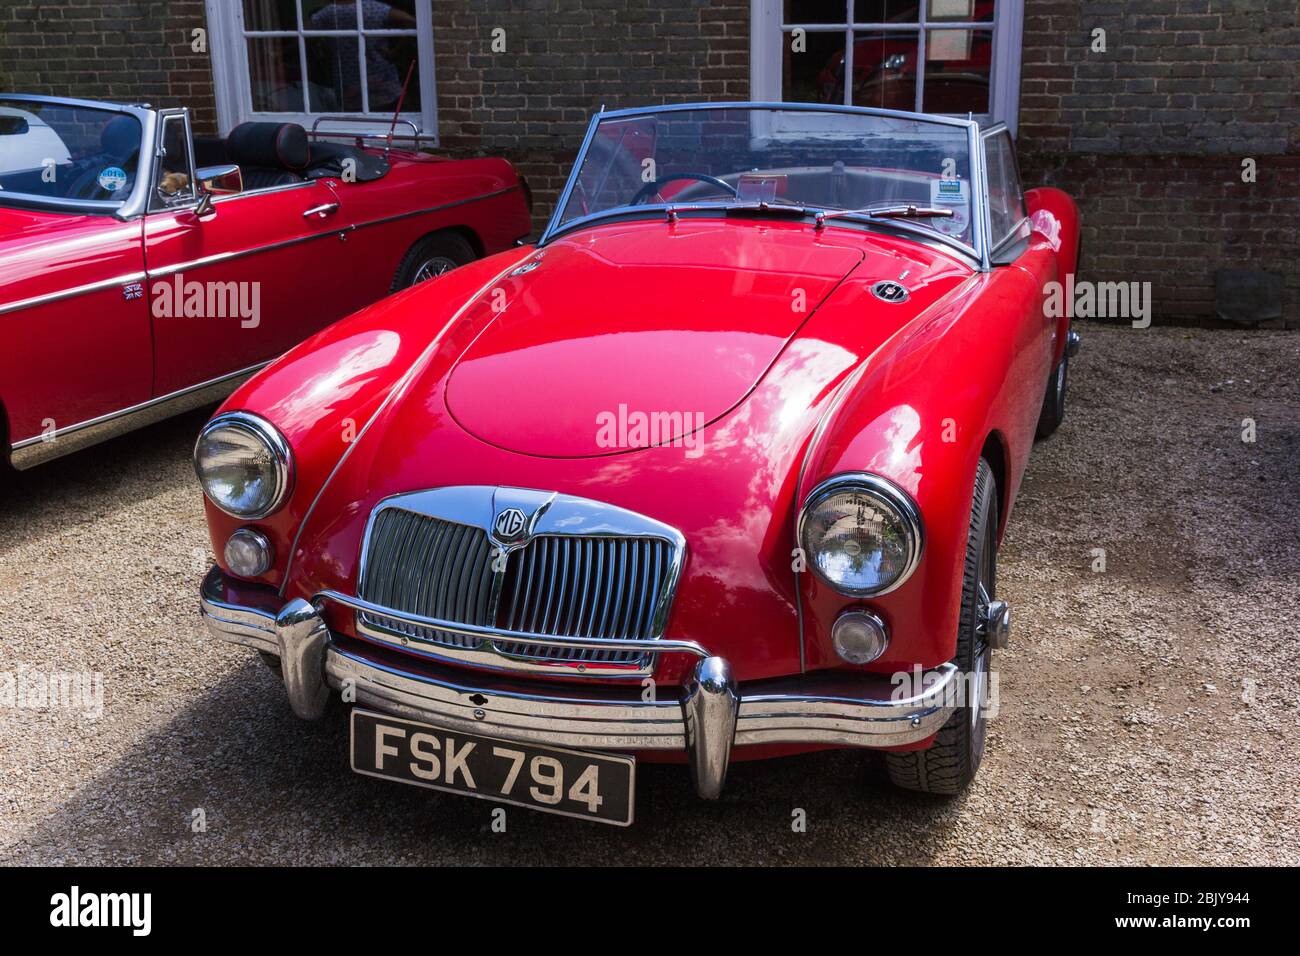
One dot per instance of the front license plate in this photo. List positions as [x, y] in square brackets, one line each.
[591, 786]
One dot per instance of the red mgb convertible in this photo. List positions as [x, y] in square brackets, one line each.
[144, 272]
[717, 469]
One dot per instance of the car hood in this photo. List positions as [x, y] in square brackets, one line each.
[630, 337]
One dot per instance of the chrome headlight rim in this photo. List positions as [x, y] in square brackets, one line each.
[275, 443]
[888, 494]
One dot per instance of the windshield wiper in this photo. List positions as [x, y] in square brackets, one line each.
[762, 206]
[888, 212]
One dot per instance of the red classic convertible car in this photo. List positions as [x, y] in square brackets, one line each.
[715, 470]
[134, 285]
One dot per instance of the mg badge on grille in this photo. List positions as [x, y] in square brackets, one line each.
[509, 524]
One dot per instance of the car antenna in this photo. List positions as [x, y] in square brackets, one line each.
[398, 112]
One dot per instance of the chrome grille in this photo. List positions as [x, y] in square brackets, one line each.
[611, 577]
[429, 567]
[583, 586]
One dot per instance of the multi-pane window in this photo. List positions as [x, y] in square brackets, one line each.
[932, 56]
[304, 59]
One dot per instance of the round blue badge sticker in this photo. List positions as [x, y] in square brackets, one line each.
[113, 178]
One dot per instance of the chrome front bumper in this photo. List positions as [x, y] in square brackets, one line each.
[709, 716]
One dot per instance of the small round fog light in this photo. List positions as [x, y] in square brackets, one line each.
[859, 637]
[248, 553]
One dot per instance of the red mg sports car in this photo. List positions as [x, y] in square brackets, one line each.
[715, 470]
[144, 272]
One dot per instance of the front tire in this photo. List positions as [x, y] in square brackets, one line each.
[432, 256]
[950, 763]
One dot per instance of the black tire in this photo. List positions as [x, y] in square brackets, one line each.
[432, 256]
[950, 763]
[1049, 419]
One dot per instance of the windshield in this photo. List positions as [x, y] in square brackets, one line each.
[56, 152]
[745, 155]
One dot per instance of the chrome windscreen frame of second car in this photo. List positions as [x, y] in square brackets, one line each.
[979, 182]
[138, 202]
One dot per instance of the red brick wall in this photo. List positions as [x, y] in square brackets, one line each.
[127, 51]
[1149, 136]
[532, 103]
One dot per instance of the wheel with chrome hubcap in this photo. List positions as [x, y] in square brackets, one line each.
[950, 763]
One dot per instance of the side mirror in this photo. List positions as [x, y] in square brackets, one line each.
[223, 180]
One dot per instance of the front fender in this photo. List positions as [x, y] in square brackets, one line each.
[919, 412]
[322, 393]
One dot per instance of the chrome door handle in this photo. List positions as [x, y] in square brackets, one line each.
[321, 211]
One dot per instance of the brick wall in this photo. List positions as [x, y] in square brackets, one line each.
[1149, 136]
[128, 51]
[532, 102]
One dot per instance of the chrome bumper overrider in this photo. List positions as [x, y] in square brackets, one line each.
[710, 716]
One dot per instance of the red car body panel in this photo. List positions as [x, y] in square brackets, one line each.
[97, 353]
[75, 359]
[445, 385]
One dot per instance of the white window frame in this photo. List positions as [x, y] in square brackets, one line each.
[768, 34]
[229, 51]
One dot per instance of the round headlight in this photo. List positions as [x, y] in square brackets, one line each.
[244, 465]
[861, 534]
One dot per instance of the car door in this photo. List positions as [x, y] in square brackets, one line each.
[235, 285]
[73, 320]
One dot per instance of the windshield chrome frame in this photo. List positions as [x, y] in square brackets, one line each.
[134, 205]
[979, 183]
[1015, 234]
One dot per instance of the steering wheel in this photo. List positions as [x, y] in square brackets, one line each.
[652, 188]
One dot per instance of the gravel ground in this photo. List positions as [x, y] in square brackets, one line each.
[1149, 711]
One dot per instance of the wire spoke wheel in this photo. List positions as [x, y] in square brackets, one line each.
[431, 257]
[430, 268]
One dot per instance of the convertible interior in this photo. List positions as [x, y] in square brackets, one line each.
[281, 154]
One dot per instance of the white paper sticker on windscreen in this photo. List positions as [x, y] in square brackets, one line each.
[951, 194]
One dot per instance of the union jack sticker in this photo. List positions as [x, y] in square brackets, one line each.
[133, 290]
